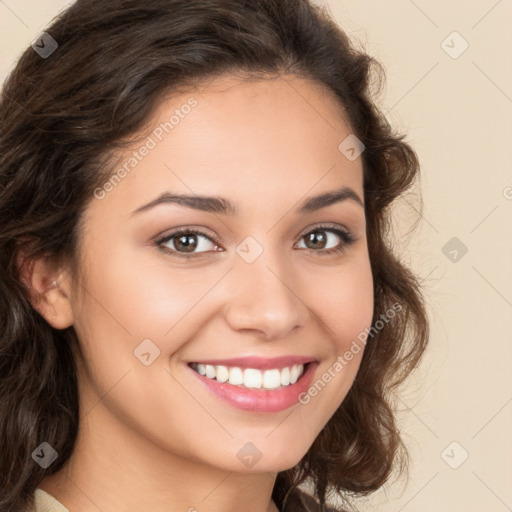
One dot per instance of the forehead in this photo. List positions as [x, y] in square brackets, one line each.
[259, 107]
[246, 140]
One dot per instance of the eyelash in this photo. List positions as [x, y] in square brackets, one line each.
[347, 239]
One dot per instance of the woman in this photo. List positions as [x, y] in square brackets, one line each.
[200, 309]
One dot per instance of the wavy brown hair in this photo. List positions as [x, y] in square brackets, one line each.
[63, 117]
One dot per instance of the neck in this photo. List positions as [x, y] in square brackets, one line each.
[114, 469]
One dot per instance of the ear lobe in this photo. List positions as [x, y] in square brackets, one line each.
[49, 289]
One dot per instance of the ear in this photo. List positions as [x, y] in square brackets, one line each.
[49, 288]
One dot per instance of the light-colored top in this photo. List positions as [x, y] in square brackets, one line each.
[44, 502]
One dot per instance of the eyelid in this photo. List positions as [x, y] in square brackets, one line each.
[347, 236]
[326, 226]
[341, 231]
[181, 231]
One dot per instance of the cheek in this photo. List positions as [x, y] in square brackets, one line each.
[345, 302]
[130, 300]
[345, 310]
[122, 303]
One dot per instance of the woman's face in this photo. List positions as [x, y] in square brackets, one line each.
[264, 287]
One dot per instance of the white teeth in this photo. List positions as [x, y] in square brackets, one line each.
[236, 376]
[271, 379]
[210, 371]
[222, 373]
[285, 376]
[294, 374]
[251, 377]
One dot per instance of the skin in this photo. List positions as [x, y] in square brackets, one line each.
[151, 437]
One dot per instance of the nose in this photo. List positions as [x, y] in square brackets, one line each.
[265, 298]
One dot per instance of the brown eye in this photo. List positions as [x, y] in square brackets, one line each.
[192, 243]
[318, 240]
[186, 242]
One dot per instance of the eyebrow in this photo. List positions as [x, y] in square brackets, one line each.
[223, 206]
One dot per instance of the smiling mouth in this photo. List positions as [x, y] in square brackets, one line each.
[252, 378]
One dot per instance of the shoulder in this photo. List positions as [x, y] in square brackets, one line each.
[300, 501]
[44, 502]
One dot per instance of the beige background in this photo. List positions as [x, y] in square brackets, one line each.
[457, 113]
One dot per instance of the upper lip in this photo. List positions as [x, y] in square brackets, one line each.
[260, 363]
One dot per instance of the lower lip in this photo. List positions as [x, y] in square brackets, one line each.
[260, 400]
